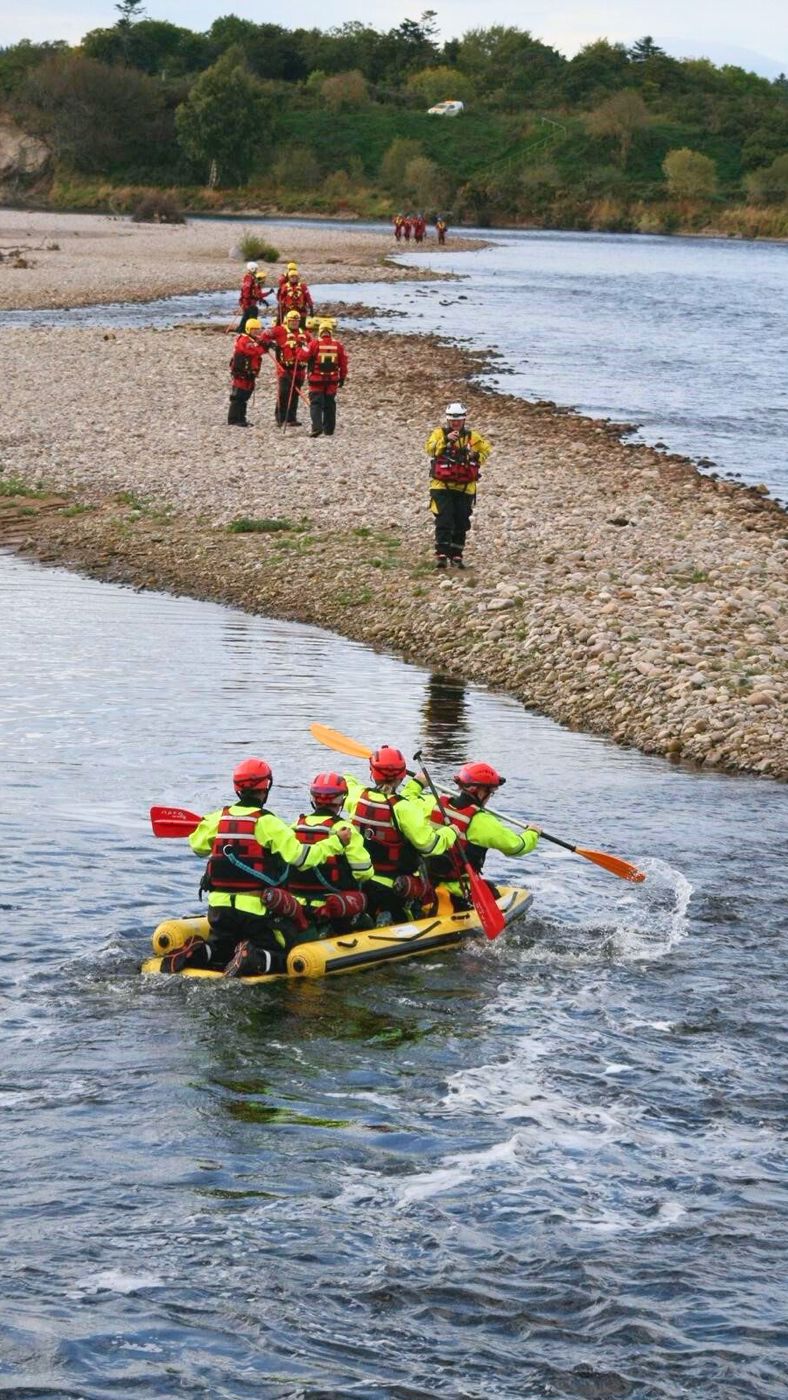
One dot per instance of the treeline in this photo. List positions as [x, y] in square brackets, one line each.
[614, 137]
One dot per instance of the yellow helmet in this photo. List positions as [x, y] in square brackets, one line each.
[292, 267]
[326, 325]
[253, 324]
[292, 316]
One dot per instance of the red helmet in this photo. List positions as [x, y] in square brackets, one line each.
[327, 789]
[253, 775]
[387, 765]
[478, 775]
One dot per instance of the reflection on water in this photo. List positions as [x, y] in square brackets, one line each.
[444, 720]
[546, 1166]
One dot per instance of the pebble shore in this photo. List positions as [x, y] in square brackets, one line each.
[613, 587]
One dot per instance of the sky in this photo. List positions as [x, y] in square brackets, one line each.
[753, 35]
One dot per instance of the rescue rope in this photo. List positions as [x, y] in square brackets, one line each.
[256, 874]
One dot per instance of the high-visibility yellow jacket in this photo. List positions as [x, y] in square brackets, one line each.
[473, 443]
[275, 836]
[409, 816]
[483, 830]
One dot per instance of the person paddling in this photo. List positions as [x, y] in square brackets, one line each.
[456, 455]
[480, 831]
[331, 892]
[397, 833]
[252, 918]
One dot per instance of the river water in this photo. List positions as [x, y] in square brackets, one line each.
[551, 1166]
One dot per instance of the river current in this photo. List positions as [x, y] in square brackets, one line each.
[553, 1166]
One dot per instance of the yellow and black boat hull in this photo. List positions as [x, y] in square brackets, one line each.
[349, 952]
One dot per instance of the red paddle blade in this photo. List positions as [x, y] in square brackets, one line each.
[490, 916]
[623, 868]
[173, 821]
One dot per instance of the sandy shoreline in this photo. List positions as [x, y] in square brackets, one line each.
[615, 588]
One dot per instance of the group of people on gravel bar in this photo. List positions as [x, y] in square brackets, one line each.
[305, 348]
[365, 854]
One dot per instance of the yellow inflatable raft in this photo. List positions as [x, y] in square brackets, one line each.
[350, 952]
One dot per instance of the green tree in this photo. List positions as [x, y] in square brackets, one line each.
[298, 169]
[98, 118]
[394, 163]
[599, 67]
[689, 174]
[440, 84]
[508, 66]
[621, 117]
[644, 49]
[345, 92]
[424, 182]
[224, 120]
[130, 10]
[770, 184]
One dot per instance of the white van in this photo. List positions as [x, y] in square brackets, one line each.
[446, 109]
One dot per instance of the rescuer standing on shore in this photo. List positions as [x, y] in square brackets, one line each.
[328, 365]
[456, 454]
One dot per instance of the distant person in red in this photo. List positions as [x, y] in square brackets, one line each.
[419, 228]
[407, 225]
[440, 228]
[252, 294]
[398, 222]
[327, 373]
[244, 367]
[294, 295]
[291, 347]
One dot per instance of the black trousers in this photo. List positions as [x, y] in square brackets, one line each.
[452, 511]
[287, 399]
[323, 412]
[239, 398]
[251, 313]
[232, 926]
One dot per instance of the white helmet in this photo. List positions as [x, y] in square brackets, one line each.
[251, 267]
[456, 410]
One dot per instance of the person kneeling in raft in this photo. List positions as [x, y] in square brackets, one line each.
[480, 831]
[253, 920]
[398, 835]
[330, 892]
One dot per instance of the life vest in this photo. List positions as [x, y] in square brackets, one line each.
[236, 834]
[287, 348]
[250, 292]
[294, 298]
[241, 365]
[324, 363]
[389, 852]
[460, 812]
[456, 464]
[332, 874]
[246, 358]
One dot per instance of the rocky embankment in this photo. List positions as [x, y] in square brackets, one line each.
[613, 587]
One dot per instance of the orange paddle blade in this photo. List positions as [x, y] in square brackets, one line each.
[491, 917]
[173, 821]
[341, 742]
[623, 868]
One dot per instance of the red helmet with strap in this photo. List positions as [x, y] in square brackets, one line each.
[253, 775]
[473, 775]
[326, 789]
[387, 765]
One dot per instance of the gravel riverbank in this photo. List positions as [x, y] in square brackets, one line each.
[614, 588]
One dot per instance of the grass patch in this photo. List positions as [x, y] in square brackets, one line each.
[347, 598]
[255, 249]
[249, 525]
[71, 511]
[15, 486]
